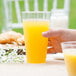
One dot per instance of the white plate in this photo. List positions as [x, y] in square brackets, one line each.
[59, 56]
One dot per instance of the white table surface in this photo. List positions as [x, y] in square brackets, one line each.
[51, 68]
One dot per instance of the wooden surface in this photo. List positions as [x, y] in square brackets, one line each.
[51, 68]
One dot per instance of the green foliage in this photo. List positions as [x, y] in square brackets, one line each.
[72, 15]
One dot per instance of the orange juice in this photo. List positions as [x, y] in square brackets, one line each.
[70, 60]
[36, 44]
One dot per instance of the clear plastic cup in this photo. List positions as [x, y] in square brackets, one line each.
[34, 23]
[69, 50]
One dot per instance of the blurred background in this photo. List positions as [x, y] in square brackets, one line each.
[60, 3]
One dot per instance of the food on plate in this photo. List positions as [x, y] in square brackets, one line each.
[12, 41]
[11, 37]
[20, 41]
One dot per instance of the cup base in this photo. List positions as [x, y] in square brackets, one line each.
[35, 62]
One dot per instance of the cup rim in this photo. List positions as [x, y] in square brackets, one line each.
[68, 42]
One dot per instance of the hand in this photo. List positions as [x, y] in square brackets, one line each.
[56, 36]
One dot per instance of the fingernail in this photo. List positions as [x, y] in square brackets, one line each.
[44, 33]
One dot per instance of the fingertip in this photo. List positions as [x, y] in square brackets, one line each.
[45, 34]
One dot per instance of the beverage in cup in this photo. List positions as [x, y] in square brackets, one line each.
[34, 23]
[69, 50]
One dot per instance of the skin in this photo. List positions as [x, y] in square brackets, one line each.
[63, 35]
